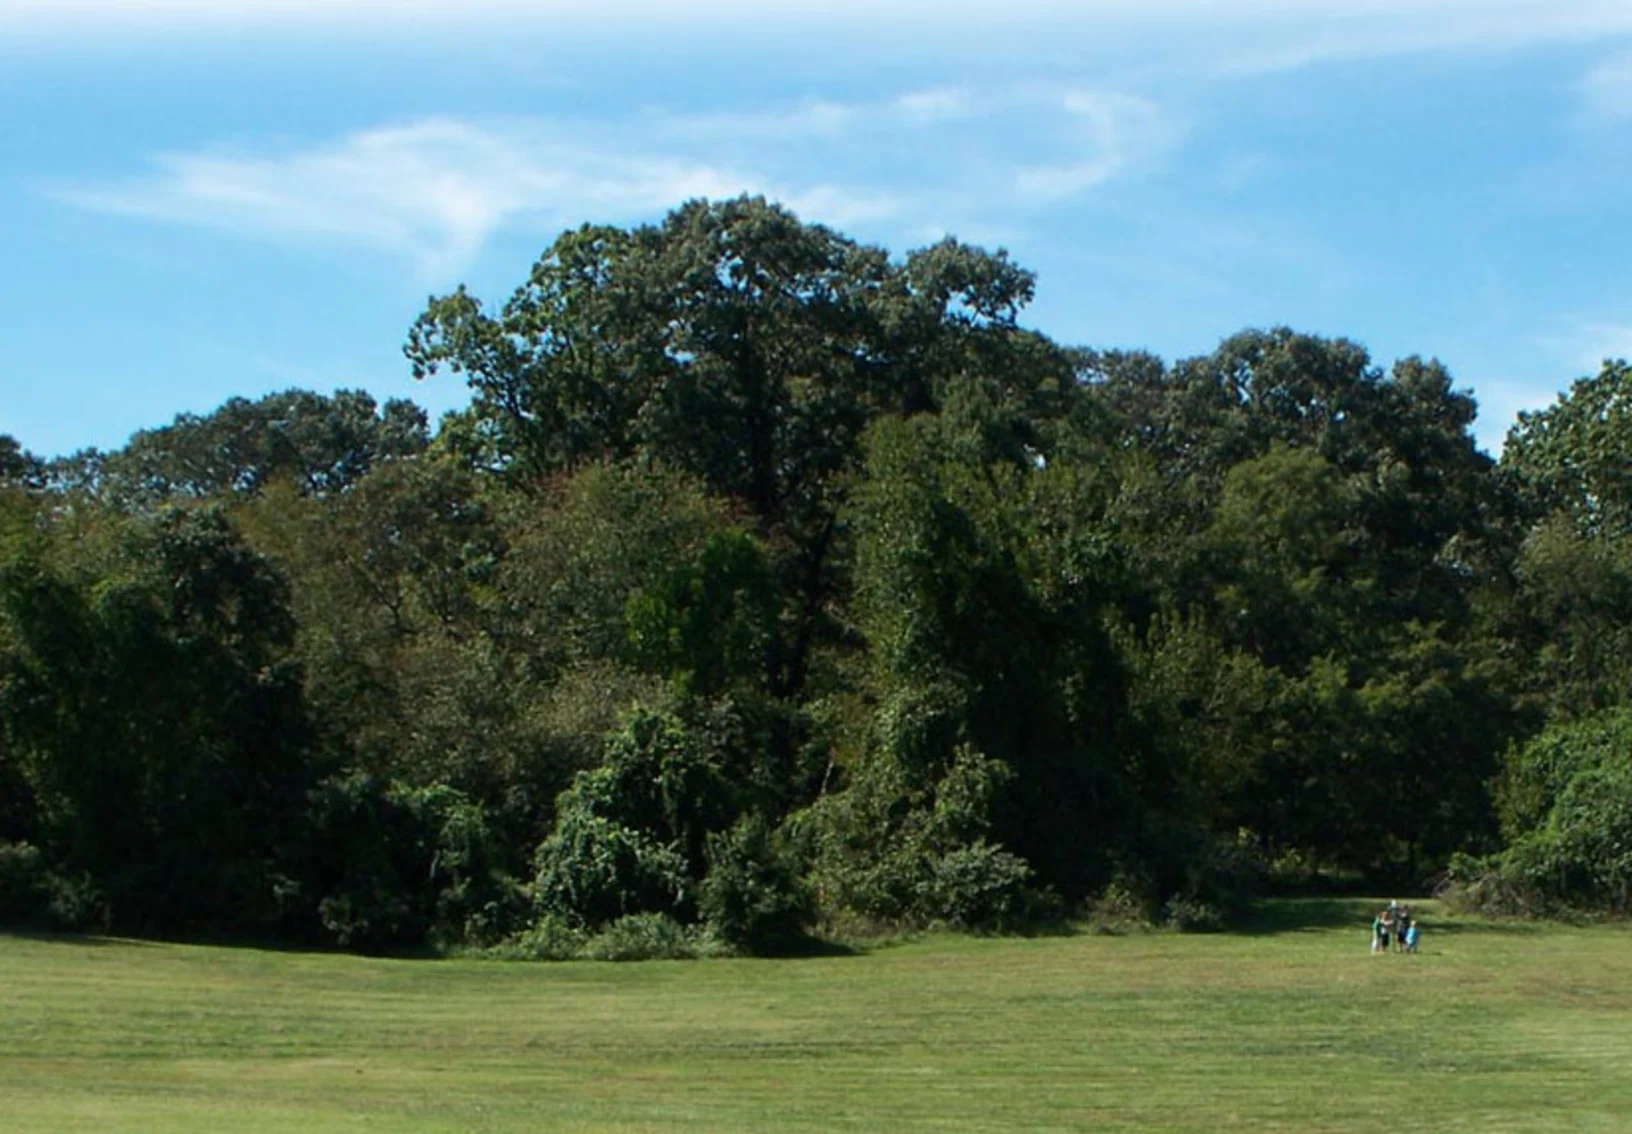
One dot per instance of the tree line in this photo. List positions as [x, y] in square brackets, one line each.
[771, 585]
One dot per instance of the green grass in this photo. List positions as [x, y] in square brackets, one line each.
[1290, 1026]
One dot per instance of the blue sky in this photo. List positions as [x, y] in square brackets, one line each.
[201, 200]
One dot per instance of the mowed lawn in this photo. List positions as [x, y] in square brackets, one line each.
[1491, 1028]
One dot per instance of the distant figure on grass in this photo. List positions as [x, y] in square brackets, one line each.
[1394, 925]
[1382, 928]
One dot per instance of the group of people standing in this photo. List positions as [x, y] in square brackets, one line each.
[1394, 926]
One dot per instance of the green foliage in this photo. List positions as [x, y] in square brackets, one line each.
[982, 590]
[1565, 467]
[707, 624]
[1536, 774]
[384, 865]
[18, 465]
[1574, 615]
[755, 897]
[977, 885]
[318, 444]
[593, 870]
[157, 718]
[736, 345]
[1566, 803]
[1571, 456]
[23, 884]
[548, 938]
[645, 937]
[1589, 836]
[1218, 879]
[629, 835]
[579, 553]
[900, 847]
[676, 821]
[35, 896]
[767, 577]
[723, 341]
[361, 865]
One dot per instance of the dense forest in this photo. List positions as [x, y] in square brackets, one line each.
[773, 586]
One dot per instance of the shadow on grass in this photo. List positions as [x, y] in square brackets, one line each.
[61, 937]
[1299, 915]
[216, 941]
[801, 947]
[813, 947]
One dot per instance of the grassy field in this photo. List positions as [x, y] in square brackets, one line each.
[1295, 1027]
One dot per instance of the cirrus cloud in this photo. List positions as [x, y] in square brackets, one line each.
[434, 191]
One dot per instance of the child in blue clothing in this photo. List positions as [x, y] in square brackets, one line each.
[1411, 936]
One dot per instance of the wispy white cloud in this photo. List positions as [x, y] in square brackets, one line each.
[433, 191]
[1303, 35]
[436, 191]
[1115, 131]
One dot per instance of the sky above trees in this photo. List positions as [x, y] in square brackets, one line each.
[204, 200]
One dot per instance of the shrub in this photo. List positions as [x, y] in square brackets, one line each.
[24, 888]
[476, 900]
[1120, 907]
[899, 848]
[594, 870]
[548, 939]
[1189, 915]
[645, 937]
[978, 886]
[1484, 885]
[1220, 881]
[754, 896]
[1566, 800]
[76, 903]
[364, 869]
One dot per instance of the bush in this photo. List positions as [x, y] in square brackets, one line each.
[476, 900]
[1219, 884]
[1484, 885]
[1188, 915]
[364, 869]
[548, 939]
[76, 904]
[899, 848]
[645, 937]
[34, 896]
[1566, 800]
[1121, 907]
[594, 870]
[754, 897]
[1192, 879]
[979, 886]
[24, 888]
